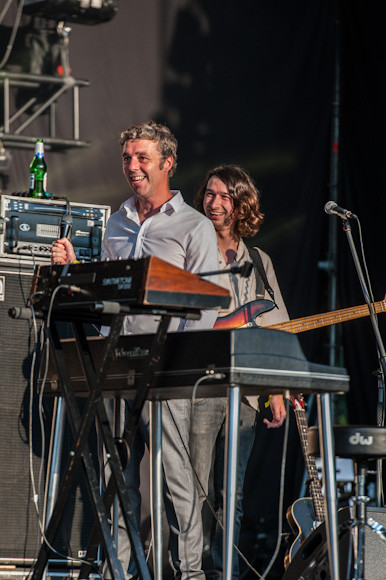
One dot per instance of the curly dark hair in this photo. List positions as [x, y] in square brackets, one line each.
[245, 195]
[152, 131]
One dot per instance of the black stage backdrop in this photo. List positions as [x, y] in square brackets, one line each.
[248, 83]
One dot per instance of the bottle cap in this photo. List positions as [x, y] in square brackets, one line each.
[39, 148]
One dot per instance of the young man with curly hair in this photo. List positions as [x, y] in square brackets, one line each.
[229, 198]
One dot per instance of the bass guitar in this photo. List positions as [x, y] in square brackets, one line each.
[246, 316]
[305, 514]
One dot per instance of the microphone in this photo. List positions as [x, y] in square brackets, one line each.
[332, 208]
[65, 223]
[243, 270]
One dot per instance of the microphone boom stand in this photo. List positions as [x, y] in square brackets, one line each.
[380, 345]
[359, 572]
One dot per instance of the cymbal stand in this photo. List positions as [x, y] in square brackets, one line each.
[360, 500]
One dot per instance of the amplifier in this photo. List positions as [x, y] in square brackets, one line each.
[21, 439]
[28, 227]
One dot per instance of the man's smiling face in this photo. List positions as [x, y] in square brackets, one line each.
[218, 204]
[144, 168]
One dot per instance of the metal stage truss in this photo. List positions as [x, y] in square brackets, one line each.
[43, 93]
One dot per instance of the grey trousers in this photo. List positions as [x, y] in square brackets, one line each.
[181, 502]
[207, 445]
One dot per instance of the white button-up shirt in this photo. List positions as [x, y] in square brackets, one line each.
[177, 234]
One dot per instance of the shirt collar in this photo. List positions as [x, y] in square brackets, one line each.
[173, 203]
[241, 251]
[241, 256]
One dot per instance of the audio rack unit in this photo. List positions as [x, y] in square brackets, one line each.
[28, 227]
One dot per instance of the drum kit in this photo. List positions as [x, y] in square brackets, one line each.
[363, 445]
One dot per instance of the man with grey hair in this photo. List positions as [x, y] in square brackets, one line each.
[156, 221]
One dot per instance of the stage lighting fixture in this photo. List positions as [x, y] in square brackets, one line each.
[78, 11]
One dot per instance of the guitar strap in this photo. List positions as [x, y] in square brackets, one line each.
[258, 263]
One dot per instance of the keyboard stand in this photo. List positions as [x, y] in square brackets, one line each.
[230, 477]
[80, 427]
[155, 451]
[258, 370]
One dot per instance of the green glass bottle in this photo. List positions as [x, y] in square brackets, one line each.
[38, 173]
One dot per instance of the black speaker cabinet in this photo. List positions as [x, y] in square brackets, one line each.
[21, 437]
[18, 522]
[375, 547]
[311, 560]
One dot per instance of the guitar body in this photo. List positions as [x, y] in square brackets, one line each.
[302, 519]
[245, 315]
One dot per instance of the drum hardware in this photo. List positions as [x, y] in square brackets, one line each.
[362, 444]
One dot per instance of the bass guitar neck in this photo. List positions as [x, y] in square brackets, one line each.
[305, 514]
[247, 315]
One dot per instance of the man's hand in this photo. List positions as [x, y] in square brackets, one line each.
[62, 252]
[278, 412]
